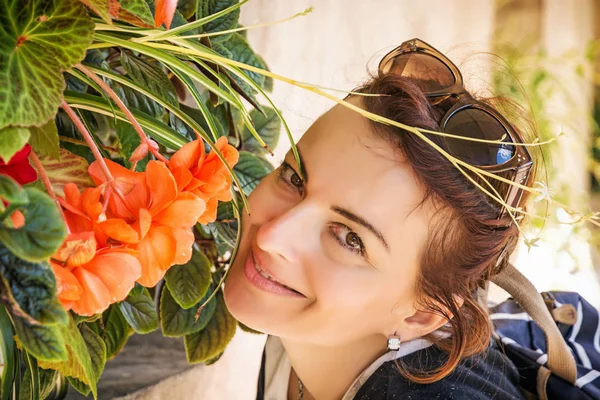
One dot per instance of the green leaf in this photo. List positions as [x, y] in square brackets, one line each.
[217, 113]
[9, 355]
[214, 359]
[137, 8]
[212, 340]
[44, 140]
[116, 331]
[187, 8]
[189, 282]
[100, 8]
[128, 140]
[139, 311]
[39, 40]
[250, 170]
[97, 350]
[268, 127]
[32, 289]
[69, 168]
[43, 231]
[148, 74]
[240, 51]
[159, 131]
[12, 139]
[48, 380]
[25, 390]
[177, 321]
[226, 22]
[135, 100]
[11, 191]
[226, 227]
[34, 377]
[79, 386]
[44, 342]
[79, 364]
[248, 329]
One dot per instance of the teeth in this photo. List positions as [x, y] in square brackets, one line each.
[264, 274]
[267, 276]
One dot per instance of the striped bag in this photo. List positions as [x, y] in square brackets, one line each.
[553, 338]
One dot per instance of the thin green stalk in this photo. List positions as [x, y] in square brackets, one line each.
[136, 126]
[177, 112]
[170, 62]
[191, 25]
[245, 28]
[257, 87]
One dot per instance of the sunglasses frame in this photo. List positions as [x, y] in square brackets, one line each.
[521, 162]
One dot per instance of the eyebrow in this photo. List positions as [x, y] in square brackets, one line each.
[359, 220]
[344, 212]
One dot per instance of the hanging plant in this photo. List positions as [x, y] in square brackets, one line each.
[110, 184]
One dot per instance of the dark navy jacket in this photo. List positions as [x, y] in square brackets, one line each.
[490, 375]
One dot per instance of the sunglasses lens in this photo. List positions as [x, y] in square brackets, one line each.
[478, 124]
[431, 74]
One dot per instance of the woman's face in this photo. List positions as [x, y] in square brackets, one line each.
[348, 239]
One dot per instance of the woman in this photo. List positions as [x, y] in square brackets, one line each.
[363, 263]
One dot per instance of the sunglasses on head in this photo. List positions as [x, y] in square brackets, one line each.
[440, 80]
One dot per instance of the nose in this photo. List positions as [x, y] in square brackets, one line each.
[289, 233]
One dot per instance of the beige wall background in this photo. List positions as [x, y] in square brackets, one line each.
[333, 46]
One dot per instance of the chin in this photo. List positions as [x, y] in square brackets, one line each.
[242, 302]
[262, 312]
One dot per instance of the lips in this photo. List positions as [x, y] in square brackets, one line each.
[262, 277]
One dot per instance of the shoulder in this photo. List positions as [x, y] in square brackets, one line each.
[489, 375]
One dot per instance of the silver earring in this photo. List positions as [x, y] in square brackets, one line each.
[393, 342]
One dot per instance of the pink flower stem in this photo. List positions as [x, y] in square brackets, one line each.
[47, 184]
[138, 128]
[88, 139]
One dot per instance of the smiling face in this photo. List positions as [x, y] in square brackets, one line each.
[348, 238]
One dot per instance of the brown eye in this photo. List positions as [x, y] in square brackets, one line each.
[290, 178]
[296, 180]
[353, 240]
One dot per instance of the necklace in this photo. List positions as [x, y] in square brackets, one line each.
[300, 389]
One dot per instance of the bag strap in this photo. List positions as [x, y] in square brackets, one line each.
[560, 359]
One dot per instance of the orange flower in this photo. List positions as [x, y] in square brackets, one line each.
[164, 10]
[90, 277]
[204, 175]
[149, 214]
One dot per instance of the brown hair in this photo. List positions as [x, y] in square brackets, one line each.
[467, 243]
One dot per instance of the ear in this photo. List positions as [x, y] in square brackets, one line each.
[419, 322]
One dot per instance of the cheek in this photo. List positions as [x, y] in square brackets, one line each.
[346, 295]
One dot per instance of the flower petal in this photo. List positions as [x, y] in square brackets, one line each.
[90, 203]
[95, 296]
[189, 156]
[162, 185]
[120, 230]
[118, 270]
[131, 186]
[18, 219]
[157, 252]
[67, 286]
[164, 12]
[143, 223]
[183, 212]
[185, 240]
[182, 176]
[210, 214]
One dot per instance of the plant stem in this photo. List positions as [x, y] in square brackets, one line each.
[81, 143]
[88, 139]
[108, 90]
[47, 184]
